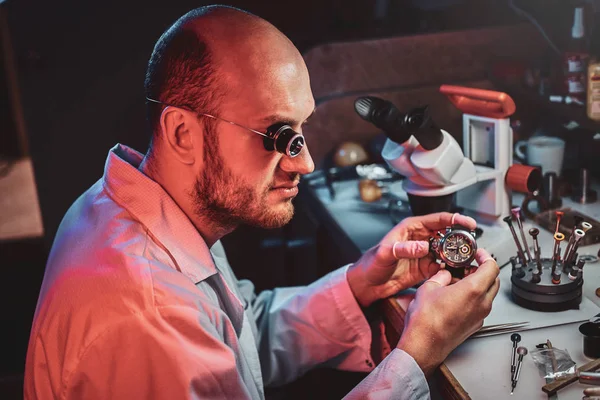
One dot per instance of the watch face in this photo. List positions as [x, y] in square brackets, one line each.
[458, 248]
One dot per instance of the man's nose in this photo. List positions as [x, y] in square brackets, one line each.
[302, 164]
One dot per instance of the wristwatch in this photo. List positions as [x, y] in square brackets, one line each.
[456, 247]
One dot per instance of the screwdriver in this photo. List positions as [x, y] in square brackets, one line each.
[521, 351]
[589, 378]
[515, 339]
[520, 252]
[516, 213]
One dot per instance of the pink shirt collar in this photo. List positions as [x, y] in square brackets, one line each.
[150, 204]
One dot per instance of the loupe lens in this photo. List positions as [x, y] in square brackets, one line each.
[296, 146]
[289, 142]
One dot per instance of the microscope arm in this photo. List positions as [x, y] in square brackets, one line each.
[482, 102]
[397, 156]
[444, 165]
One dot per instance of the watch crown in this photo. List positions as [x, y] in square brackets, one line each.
[434, 244]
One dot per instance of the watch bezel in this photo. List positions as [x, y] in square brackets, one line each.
[451, 232]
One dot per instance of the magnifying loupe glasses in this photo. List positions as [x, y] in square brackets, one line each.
[278, 137]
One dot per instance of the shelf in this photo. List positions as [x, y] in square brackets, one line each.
[525, 98]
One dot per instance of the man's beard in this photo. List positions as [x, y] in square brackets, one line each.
[227, 201]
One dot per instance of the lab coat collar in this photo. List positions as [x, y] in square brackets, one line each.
[148, 202]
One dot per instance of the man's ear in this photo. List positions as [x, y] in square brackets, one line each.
[178, 127]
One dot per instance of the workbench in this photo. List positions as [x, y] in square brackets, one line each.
[479, 368]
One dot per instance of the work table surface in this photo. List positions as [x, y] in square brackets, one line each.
[480, 365]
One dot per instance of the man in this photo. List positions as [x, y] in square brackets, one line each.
[138, 300]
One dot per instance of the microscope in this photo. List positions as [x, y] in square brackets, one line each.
[439, 176]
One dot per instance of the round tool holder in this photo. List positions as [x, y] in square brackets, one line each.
[546, 284]
[546, 294]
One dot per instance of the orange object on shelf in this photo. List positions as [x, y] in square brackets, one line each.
[350, 153]
[485, 103]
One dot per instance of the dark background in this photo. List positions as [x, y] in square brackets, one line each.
[80, 71]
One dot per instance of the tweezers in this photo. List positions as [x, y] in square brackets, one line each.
[501, 327]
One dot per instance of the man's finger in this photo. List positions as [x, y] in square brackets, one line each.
[483, 256]
[592, 391]
[442, 278]
[410, 249]
[486, 273]
[467, 222]
[492, 292]
[441, 220]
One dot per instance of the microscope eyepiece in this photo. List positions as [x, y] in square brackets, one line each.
[419, 123]
[397, 126]
[384, 115]
[414, 119]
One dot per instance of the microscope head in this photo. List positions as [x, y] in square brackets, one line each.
[399, 127]
[384, 115]
[429, 157]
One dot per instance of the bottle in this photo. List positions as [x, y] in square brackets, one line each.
[575, 58]
[593, 90]
[593, 74]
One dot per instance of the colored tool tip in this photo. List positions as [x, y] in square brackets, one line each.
[534, 232]
[515, 337]
[508, 219]
[586, 226]
[559, 236]
[516, 211]
[579, 233]
[521, 350]
[560, 213]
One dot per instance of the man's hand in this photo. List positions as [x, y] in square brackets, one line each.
[442, 316]
[401, 259]
[591, 393]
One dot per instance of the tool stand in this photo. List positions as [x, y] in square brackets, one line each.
[546, 295]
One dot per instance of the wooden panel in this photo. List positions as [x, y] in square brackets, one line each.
[20, 215]
[337, 68]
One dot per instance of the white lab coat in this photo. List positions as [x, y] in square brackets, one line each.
[134, 305]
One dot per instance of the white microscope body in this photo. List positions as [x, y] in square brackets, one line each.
[475, 177]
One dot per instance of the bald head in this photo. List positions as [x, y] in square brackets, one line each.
[212, 53]
[226, 65]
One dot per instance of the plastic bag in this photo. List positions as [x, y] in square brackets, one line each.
[553, 363]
